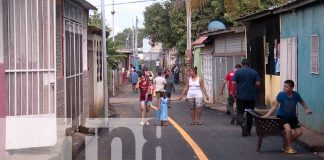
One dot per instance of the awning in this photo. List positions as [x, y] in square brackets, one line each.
[200, 41]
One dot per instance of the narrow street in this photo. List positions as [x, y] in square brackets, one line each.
[217, 139]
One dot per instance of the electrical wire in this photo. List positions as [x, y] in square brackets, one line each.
[132, 2]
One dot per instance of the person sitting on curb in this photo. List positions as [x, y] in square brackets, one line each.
[287, 102]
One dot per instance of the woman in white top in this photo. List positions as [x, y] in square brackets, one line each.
[195, 88]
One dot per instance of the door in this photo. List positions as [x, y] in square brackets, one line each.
[220, 74]
[288, 60]
[30, 71]
[73, 71]
[91, 82]
[208, 75]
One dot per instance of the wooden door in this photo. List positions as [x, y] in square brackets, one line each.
[288, 60]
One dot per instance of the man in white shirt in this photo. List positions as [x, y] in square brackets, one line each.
[159, 85]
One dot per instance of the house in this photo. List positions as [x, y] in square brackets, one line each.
[262, 43]
[216, 53]
[203, 60]
[152, 54]
[44, 54]
[301, 51]
[95, 71]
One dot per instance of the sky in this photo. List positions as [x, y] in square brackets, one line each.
[125, 14]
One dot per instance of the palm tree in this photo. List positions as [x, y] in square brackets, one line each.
[190, 6]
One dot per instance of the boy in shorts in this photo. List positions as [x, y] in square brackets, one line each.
[287, 101]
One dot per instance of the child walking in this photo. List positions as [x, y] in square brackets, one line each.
[162, 113]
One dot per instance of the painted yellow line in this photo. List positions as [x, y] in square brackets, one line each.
[198, 151]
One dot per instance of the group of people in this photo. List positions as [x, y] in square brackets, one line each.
[161, 86]
[242, 85]
[242, 90]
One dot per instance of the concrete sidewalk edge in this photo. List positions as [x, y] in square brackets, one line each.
[306, 140]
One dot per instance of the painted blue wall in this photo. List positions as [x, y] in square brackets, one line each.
[302, 24]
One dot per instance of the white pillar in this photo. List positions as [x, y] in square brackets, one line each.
[104, 54]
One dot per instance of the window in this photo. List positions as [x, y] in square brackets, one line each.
[30, 58]
[99, 62]
[314, 54]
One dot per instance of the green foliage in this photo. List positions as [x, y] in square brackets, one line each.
[157, 24]
[236, 8]
[167, 24]
[121, 38]
[114, 58]
[95, 20]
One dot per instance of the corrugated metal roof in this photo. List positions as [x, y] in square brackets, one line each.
[279, 9]
[96, 30]
[293, 5]
[85, 4]
[200, 40]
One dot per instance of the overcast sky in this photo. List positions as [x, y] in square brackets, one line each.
[125, 14]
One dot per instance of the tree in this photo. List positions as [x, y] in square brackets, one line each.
[114, 58]
[237, 8]
[96, 20]
[127, 33]
[157, 24]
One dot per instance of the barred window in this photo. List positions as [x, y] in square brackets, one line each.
[315, 54]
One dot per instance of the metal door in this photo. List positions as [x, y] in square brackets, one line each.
[208, 75]
[73, 71]
[30, 69]
[220, 73]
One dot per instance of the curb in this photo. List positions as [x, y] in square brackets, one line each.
[311, 148]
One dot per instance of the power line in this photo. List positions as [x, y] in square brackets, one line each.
[132, 2]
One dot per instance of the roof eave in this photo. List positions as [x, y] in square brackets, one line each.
[293, 5]
[85, 4]
[254, 16]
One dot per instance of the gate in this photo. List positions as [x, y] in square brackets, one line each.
[30, 70]
[73, 59]
[207, 64]
[223, 65]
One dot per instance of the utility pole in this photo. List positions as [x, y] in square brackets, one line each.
[105, 58]
[189, 47]
[136, 34]
[133, 44]
[113, 20]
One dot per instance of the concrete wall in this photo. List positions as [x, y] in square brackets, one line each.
[197, 61]
[96, 88]
[302, 23]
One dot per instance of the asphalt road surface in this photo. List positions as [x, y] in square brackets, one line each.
[215, 140]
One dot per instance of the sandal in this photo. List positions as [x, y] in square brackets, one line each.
[200, 123]
[192, 123]
[290, 151]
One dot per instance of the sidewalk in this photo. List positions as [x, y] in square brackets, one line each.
[310, 139]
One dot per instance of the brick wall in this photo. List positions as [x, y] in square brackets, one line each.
[60, 102]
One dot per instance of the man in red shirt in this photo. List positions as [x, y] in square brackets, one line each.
[145, 99]
[230, 99]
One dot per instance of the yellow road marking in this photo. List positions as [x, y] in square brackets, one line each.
[198, 151]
